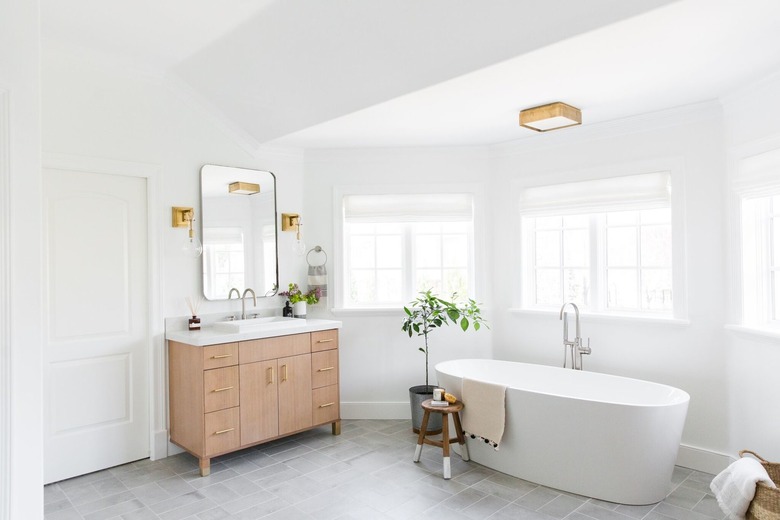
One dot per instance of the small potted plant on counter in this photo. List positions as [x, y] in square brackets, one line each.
[425, 314]
[299, 299]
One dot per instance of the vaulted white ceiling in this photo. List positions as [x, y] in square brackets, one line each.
[342, 73]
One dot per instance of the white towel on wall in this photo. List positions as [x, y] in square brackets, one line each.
[484, 412]
[735, 486]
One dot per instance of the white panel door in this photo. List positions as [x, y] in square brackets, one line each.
[96, 406]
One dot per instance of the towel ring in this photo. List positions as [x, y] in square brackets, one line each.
[317, 249]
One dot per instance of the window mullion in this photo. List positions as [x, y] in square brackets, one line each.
[408, 267]
[598, 262]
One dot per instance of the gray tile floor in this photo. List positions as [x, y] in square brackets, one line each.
[365, 473]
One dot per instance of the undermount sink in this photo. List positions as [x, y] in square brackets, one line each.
[273, 322]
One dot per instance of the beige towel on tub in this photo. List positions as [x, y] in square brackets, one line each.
[483, 411]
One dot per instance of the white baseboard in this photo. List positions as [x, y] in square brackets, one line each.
[159, 448]
[376, 410]
[702, 460]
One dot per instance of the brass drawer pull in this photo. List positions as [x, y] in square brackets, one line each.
[270, 378]
[325, 369]
[327, 404]
[325, 340]
[220, 432]
[223, 389]
[222, 356]
[284, 373]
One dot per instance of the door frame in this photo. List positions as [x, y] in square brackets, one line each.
[154, 342]
[5, 308]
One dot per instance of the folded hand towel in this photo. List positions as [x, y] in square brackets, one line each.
[735, 486]
[483, 410]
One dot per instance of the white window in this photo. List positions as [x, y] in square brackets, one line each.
[398, 245]
[223, 261]
[758, 186]
[604, 244]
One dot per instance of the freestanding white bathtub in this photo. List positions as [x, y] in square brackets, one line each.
[597, 435]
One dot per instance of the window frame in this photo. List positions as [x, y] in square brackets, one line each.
[753, 170]
[476, 244]
[674, 166]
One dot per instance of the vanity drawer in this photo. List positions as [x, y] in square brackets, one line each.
[222, 355]
[273, 348]
[325, 403]
[324, 340]
[324, 368]
[222, 431]
[220, 388]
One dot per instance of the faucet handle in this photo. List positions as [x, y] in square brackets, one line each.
[585, 350]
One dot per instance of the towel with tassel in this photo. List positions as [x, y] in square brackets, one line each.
[735, 486]
[483, 411]
[318, 278]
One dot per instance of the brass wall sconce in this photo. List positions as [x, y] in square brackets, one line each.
[553, 116]
[184, 217]
[292, 222]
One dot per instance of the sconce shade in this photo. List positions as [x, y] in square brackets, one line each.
[244, 188]
[550, 117]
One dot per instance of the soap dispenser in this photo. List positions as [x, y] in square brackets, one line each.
[287, 312]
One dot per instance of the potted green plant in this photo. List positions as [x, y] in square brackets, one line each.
[299, 299]
[425, 314]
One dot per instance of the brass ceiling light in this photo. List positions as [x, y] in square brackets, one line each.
[552, 116]
[243, 188]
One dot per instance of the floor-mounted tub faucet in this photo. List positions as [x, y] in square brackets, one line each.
[575, 347]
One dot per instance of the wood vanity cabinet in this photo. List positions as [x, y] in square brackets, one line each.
[233, 395]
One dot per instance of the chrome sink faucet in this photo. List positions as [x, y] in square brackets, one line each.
[243, 301]
[230, 294]
[575, 347]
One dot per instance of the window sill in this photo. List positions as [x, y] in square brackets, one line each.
[754, 332]
[653, 320]
[376, 311]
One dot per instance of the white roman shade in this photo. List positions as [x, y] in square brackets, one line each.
[413, 207]
[645, 191]
[213, 236]
[758, 175]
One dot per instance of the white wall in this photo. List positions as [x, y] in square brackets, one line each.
[752, 118]
[378, 361]
[20, 263]
[93, 109]
[686, 355]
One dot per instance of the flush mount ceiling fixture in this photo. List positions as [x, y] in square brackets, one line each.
[244, 188]
[550, 117]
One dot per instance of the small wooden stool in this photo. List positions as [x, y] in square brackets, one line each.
[445, 441]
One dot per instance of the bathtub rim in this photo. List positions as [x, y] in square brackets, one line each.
[682, 397]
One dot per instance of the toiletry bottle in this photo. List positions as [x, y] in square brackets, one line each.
[287, 311]
[194, 323]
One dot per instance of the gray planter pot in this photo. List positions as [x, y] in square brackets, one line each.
[418, 394]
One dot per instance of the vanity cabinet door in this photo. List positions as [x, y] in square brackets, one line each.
[259, 393]
[295, 399]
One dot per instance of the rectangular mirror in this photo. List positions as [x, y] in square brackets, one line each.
[238, 210]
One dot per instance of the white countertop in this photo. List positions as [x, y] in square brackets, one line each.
[210, 335]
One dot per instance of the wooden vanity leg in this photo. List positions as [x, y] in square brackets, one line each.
[205, 467]
[335, 427]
